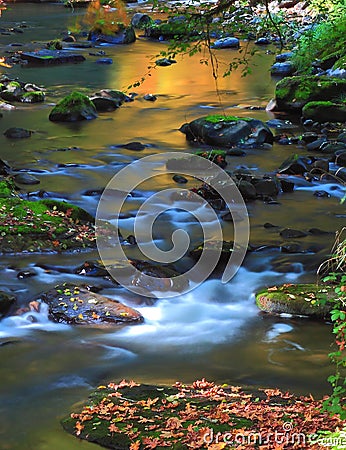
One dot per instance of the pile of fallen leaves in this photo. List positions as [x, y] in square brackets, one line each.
[199, 416]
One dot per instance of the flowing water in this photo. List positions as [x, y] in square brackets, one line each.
[215, 331]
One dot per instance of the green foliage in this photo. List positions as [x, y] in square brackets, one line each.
[336, 403]
[321, 41]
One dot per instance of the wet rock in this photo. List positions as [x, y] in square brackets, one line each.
[309, 136]
[263, 41]
[104, 104]
[6, 301]
[322, 194]
[165, 62]
[282, 57]
[318, 232]
[26, 274]
[134, 146]
[286, 186]
[92, 269]
[74, 107]
[290, 233]
[125, 35]
[141, 21]
[341, 173]
[227, 42]
[294, 165]
[297, 300]
[247, 190]
[282, 69]
[163, 277]
[280, 124]
[342, 137]
[340, 158]
[76, 305]
[25, 178]
[321, 164]
[226, 131]
[267, 187]
[235, 152]
[17, 133]
[49, 57]
[150, 97]
[179, 179]
[291, 248]
[317, 144]
[104, 61]
[269, 225]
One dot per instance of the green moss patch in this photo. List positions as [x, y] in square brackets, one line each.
[295, 92]
[202, 415]
[324, 111]
[301, 299]
[216, 118]
[42, 225]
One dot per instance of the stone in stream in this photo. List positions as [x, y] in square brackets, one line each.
[17, 133]
[290, 233]
[76, 305]
[282, 69]
[227, 131]
[6, 301]
[48, 57]
[123, 35]
[297, 300]
[141, 21]
[74, 107]
[25, 178]
[227, 42]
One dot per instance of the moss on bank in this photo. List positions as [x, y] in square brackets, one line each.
[43, 225]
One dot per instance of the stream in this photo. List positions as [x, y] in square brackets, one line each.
[214, 331]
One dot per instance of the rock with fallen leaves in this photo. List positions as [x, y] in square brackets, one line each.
[308, 300]
[203, 415]
[78, 305]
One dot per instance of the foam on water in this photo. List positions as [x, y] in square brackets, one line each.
[14, 326]
[212, 313]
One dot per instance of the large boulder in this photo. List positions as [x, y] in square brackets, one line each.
[297, 300]
[292, 93]
[227, 131]
[74, 107]
[325, 111]
[77, 305]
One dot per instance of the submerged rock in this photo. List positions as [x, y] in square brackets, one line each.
[77, 305]
[298, 300]
[48, 57]
[17, 133]
[227, 131]
[6, 301]
[74, 107]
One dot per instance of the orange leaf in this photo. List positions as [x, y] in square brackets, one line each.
[135, 445]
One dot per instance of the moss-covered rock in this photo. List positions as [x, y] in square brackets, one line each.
[43, 225]
[292, 93]
[227, 131]
[325, 111]
[74, 107]
[172, 29]
[32, 97]
[203, 415]
[299, 300]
